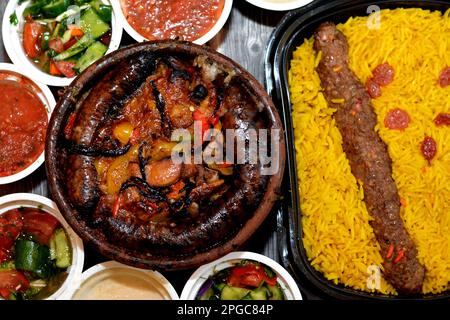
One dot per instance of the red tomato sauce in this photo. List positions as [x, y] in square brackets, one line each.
[23, 124]
[170, 19]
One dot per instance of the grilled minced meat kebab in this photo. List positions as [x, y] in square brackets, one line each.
[369, 160]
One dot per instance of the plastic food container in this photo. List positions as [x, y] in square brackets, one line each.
[202, 40]
[49, 102]
[115, 281]
[279, 5]
[198, 278]
[290, 33]
[29, 200]
[12, 39]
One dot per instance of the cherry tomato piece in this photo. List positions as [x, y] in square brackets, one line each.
[32, 33]
[443, 119]
[428, 148]
[373, 89]
[397, 119]
[56, 44]
[10, 227]
[444, 78]
[66, 68]
[383, 74]
[12, 281]
[40, 225]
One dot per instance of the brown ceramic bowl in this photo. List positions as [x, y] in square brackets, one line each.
[145, 258]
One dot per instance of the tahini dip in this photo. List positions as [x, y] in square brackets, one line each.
[121, 284]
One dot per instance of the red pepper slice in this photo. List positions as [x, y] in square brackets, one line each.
[69, 126]
[400, 255]
[174, 191]
[200, 116]
[116, 205]
[390, 251]
[443, 119]
[70, 43]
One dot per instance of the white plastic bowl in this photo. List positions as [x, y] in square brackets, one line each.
[147, 275]
[12, 39]
[280, 5]
[198, 278]
[29, 200]
[202, 40]
[49, 103]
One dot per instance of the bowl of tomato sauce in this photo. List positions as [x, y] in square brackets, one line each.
[55, 40]
[197, 21]
[25, 109]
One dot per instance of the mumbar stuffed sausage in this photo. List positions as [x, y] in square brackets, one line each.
[120, 170]
[369, 160]
[105, 98]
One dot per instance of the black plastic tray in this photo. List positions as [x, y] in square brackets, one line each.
[290, 33]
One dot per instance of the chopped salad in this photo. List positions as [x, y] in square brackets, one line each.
[35, 253]
[64, 37]
[247, 280]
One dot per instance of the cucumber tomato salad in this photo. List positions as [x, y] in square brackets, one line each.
[34, 254]
[64, 37]
[247, 280]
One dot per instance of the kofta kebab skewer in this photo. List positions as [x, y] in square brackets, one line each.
[369, 160]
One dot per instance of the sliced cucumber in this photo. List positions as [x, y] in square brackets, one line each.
[66, 36]
[60, 249]
[35, 8]
[81, 45]
[219, 286]
[33, 257]
[60, 29]
[276, 293]
[248, 296]
[80, 2]
[71, 12]
[55, 8]
[207, 295]
[261, 293]
[233, 293]
[103, 10]
[91, 23]
[92, 54]
[7, 265]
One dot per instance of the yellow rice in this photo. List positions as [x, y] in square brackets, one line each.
[337, 236]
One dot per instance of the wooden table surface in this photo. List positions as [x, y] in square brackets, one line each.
[243, 39]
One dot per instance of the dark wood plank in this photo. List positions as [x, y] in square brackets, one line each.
[245, 36]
